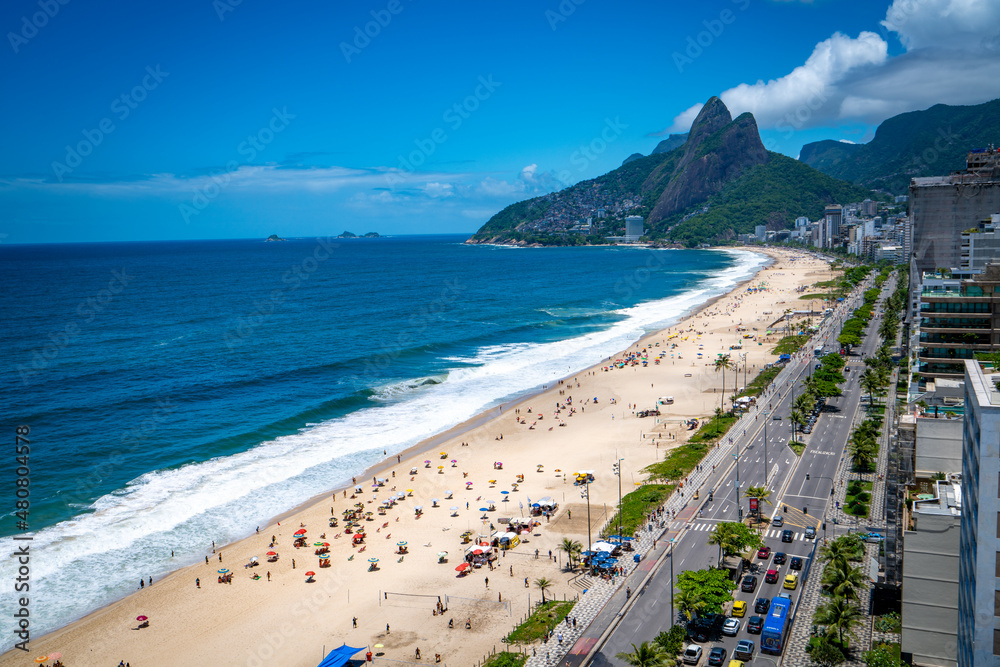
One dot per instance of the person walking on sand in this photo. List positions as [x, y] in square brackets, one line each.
[487, 582]
[269, 575]
[197, 583]
[386, 628]
[355, 621]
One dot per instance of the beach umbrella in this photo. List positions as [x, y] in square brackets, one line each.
[434, 501]
[483, 509]
[504, 492]
[409, 491]
[141, 618]
[454, 461]
[42, 658]
[477, 552]
[462, 567]
[322, 556]
[373, 560]
[224, 570]
[310, 573]
[272, 553]
[301, 531]
[55, 656]
[442, 554]
[453, 508]
[440, 467]
[379, 646]
[401, 544]
[419, 508]
[317, 544]
[444, 453]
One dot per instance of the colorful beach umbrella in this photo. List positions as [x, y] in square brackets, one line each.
[224, 570]
[401, 544]
[42, 658]
[301, 531]
[373, 560]
[141, 618]
[317, 544]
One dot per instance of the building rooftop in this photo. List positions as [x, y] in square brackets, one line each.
[948, 498]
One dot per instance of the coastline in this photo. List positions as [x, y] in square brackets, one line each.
[487, 421]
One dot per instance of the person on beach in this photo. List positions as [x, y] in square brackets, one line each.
[354, 621]
[197, 583]
[386, 628]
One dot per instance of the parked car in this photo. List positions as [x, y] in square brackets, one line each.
[744, 650]
[755, 625]
[763, 552]
[786, 536]
[739, 608]
[791, 581]
[692, 655]
[795, 563]
[717, 657]
[704, 628]
[771, 577]
[761, 605]
[731, 627]
[778, 521]
[873, 538]
[749, 584]
[779, 557]
[811, 532]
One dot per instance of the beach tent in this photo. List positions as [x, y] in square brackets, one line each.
[339, 656]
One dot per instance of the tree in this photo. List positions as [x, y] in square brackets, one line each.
[839, 614]
[572, 549]
[842, 580]
[543, 585]
[689, 603]
[719, 414]
[713, 586]
[825, 653]
[733, 538]
[798, 419]
[723, 363]
[870, 382]
[643, 655]
[671, 642]
[881, 656]
[845, 548]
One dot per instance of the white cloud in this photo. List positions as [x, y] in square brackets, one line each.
[952, 49]
[437, 190]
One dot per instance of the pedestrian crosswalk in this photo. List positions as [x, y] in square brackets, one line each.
[709, 526]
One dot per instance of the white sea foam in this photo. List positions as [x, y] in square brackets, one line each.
[99, 556]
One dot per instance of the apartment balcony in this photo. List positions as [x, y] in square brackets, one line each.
[940, 324]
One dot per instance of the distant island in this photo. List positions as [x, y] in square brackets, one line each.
[274, 237]
[352, 235]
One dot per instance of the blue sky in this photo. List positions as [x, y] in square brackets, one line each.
[237, 118]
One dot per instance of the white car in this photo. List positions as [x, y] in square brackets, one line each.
[692, 655]
[731, 627]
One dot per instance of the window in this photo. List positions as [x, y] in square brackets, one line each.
[996, 603]
[998, 564]
[996, 642]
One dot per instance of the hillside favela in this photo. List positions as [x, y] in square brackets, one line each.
[566, 334]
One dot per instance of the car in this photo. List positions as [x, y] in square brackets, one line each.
[778, 521]
[692, 655]
[761, 605]
[873, 538]
[731, 627]
[771, 577]
[744, 650]
[704, 628]
[749, 584]
[786, 536]
[811, 532]
[717, 657]
[791, 581]
[739, 608]
[737, 663]
[795, 563]
[779, 557]
[818, 366]
[763, 552]
[755, 624]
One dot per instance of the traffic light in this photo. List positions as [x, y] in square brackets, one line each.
[805, 510]
[807, 477]
[824, 525]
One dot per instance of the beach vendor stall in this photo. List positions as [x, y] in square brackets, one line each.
[507, 540]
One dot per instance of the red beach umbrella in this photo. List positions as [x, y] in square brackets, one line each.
[462, 567]
[310, 573]
[141, 618]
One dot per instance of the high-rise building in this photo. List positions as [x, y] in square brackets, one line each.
[834, 215]
[979, 559]
[942, 207]
[869, 208]
[981, 245]
[760, 231]
[633, 228]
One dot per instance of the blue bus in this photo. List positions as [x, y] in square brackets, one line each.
[772, 635]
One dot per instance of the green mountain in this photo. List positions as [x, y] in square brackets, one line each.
[719, 182]
[932, 142]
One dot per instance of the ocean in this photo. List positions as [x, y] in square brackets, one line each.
[180, 393]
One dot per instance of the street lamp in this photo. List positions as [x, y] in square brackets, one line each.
[616, 468]
[673, 617]
[590, 541]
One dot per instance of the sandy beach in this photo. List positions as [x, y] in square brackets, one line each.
[585, 422]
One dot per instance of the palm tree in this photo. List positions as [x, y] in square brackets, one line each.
[761, 493]
[871, 383]
[840, 614]
[798, 419]
[719, 414]
[543, 585]
[842, 580]
[723, 363]
[721, 537]
[572, 549]
[643, 655]
[689, 602]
